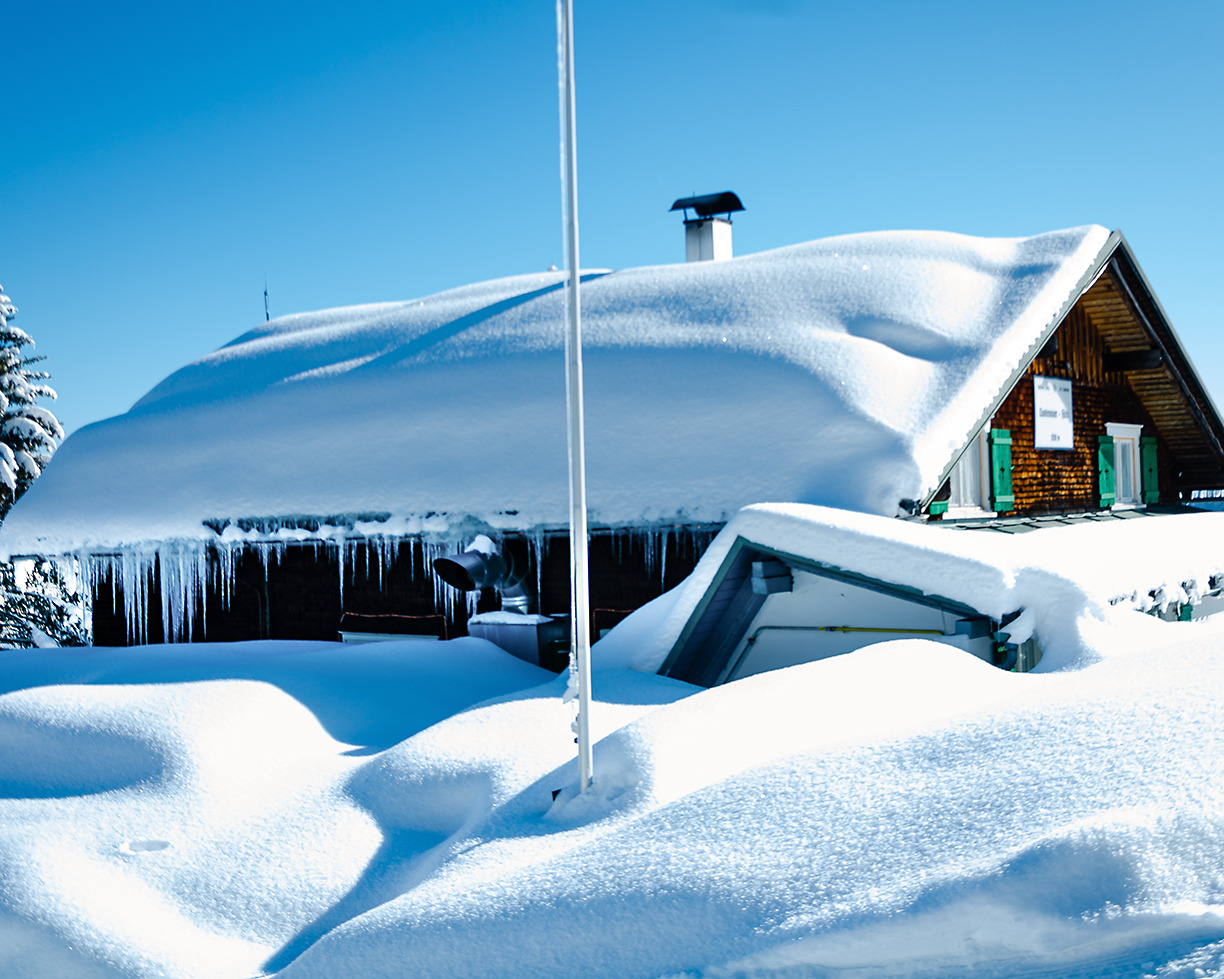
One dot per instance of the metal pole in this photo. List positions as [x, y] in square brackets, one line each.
[580, 599]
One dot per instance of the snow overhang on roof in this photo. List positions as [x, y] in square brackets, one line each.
[845, 371]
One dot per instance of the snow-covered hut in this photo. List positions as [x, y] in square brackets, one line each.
[312, 467]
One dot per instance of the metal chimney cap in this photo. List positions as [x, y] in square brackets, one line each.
[707, 205]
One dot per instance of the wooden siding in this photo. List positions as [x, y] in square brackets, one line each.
[297, 595]
[1062, 480]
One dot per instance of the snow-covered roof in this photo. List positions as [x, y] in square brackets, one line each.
[1060, 578]
[846, 371]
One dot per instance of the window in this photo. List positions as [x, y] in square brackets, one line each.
[969, 481]
[1126, 462]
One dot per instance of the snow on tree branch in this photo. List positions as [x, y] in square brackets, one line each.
[29, 432]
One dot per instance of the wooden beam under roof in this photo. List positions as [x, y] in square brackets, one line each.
[1142, 347]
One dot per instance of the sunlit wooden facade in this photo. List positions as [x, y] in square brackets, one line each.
[1142, 429]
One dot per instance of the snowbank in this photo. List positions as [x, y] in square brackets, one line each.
[844, 371]
[314, 810]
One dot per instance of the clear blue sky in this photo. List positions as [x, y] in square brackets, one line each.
[160, 159]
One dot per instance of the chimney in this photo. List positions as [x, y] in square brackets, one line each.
[708, 238]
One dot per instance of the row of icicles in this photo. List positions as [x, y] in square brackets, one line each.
[190, 574]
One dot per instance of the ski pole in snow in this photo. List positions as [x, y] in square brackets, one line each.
[580, 599]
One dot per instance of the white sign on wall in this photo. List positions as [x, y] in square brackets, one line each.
[1052, 413]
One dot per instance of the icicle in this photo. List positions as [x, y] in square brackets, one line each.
[537, 552]
[444, 595]
[182, 570]
[413, 546]
[199, 574]
[203, 567]
[226, 559]
[352, 546]
[386, 554]
[136, 569]
[167, 579]
[340, 566]
[186, 572]
[664, 535]
[388, 551]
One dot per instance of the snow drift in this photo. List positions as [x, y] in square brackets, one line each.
[309, 810]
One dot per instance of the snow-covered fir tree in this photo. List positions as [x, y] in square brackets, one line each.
[39, 604]
[29, 433]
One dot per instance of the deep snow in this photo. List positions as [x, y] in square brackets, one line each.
[313, 810]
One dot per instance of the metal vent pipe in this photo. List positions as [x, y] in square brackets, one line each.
[482, 564]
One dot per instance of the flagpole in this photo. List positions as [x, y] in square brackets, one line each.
[580, 599]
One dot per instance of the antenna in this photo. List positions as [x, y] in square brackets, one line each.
[267, 315]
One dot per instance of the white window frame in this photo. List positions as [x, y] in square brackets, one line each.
[1126, 444]
[976, 455]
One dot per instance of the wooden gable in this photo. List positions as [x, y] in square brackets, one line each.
[1116, 347]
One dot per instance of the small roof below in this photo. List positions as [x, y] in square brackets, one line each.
[1061, 577]
[707, 205]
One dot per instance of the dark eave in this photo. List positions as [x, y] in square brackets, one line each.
[1176, 372]
[707, 205]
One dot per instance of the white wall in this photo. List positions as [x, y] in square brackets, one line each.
[708, 240]
[816, 603]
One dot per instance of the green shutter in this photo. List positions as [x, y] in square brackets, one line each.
[937, 507]
[1149, 473]
[1105, 469]
[1001, 498]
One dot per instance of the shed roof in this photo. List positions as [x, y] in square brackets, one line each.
[1062, 574]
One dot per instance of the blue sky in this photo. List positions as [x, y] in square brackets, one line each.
[161, 159]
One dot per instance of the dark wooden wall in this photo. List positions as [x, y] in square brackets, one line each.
[299, 597]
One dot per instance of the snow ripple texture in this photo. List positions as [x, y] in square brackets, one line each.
[310, 810]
